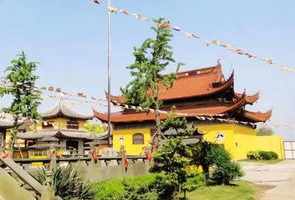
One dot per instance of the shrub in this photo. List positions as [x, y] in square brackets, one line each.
[226, 172]
[253, 155]
[268, 155]
[262, 155]
[67, 184]
[210, 155]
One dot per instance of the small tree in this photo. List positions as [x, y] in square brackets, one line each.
[93, 127]
[173, 156]
[151, 59]
[21, 78]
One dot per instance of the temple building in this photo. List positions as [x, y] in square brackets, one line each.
[61, 128]
[207, 99]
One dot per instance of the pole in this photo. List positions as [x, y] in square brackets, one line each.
[109, 72]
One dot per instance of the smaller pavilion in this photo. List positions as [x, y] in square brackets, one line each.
[61, 128]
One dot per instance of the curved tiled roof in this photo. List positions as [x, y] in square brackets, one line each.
[194, 83]
[197, 83]
[250, 99]
[257, 116]
[62, 109]
[64, 133]
[7, 120]
[208, 110]
[206, 82]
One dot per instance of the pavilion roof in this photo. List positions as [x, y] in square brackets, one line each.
[63, 109]
[64, 133]
[7, 120]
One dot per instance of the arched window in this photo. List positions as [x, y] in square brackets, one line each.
[138, 138]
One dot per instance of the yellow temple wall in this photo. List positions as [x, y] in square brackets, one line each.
[239, 139]
[59, 123]
[126, 134]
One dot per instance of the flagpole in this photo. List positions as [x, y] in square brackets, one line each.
[109, 72]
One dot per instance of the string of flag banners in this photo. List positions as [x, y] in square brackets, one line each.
[194, 35]
[88, 99]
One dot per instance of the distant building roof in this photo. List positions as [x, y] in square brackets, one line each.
[63, 109]
[7, 120]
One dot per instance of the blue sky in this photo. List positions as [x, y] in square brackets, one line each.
[68, 39]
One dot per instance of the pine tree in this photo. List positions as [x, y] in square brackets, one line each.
[151, 59]
[20, 81]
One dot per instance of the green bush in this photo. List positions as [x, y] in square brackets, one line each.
[253, 155]
[268, 155]
[226, 172]
[262, 155]
[213, 156]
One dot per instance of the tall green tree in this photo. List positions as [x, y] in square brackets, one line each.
[151, 59]
[20, 78]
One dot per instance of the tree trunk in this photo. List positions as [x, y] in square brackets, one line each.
[157, 119]
[13, 134]
[206, 172]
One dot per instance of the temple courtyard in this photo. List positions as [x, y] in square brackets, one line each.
[277, 181]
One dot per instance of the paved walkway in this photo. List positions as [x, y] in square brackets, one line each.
[279, 177]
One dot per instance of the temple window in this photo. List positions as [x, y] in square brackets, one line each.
[47, 124]
[138, 138]
[72, 124]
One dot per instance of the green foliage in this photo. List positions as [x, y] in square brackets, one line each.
[20, 81]
[165, 187]
[262, 155]
[109, 190]
[253, 155]
[215, 156]
[265, 131]
[204, 156]
[141, 192]
[193, 182]
[120, 189]
[67, 183]
[179, 124]
[152, 58]
[148, 187]
[226, 172]
[94, 127]
[173, 156]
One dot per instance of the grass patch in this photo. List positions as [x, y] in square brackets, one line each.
[261, 161]
[242, 190]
